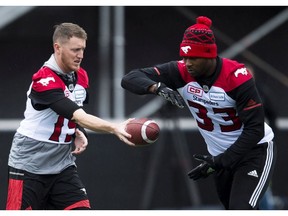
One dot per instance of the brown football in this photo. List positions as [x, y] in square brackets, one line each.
[144, 131]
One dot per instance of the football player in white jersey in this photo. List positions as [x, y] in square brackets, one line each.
[42, 169]
[221, 95]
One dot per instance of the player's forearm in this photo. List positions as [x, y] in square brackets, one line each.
[137, 82]
[92, 122]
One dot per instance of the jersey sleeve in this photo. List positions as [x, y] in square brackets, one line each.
[65, 107]
[237, 78]
[251, 113]
[45, 79]
[46, 89]
[138, 81]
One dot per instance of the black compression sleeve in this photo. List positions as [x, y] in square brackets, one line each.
[46, 97]
[139, 80]
[65, 107]
[253, 120]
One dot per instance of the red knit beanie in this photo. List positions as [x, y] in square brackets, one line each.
[198, 40]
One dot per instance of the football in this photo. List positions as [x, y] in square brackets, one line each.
[144, 131]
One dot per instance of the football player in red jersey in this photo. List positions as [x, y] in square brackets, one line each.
[221, 95]
[42, 169]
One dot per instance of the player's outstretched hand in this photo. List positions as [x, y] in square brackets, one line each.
[201, 171]
[206, 168]
[169, 94]
[121, 133]
[80, 142]
[206, 158]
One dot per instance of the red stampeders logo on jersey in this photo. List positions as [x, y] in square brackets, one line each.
[45, 81]
[194, 90]
[242, 71]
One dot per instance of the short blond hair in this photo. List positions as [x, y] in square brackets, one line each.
[65, 31]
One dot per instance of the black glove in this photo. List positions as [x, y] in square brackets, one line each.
[210, 160]
[206, 168]
[169, 94]
[201, 171]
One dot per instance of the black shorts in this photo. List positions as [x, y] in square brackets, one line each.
[63, 191]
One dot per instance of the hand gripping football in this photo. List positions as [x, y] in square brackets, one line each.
[144, 131]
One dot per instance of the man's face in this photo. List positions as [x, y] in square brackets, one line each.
[197, 67]
[70, 53]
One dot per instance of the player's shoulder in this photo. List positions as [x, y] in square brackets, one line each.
[45, 79]
[82, 72]
[83, 78]
[181, 65]
[231, 65]
[43, 72]
[235, 73]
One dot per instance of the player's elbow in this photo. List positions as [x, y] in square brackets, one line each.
[78, 116]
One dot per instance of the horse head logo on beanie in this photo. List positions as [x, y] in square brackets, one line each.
[199, 40]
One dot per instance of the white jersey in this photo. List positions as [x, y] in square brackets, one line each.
[215, 111]
[43, 142]
[46, 125]
[216, 117]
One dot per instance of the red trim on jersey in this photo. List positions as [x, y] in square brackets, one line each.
[15, 190]
[82, 203]
[227, 79]
[251, 107]
[157, 71]
[184, 73]
[83, 79]
[45, 79]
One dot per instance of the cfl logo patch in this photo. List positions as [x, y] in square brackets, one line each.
[186, 49]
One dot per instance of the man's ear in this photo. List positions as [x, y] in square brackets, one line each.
[56, 47]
